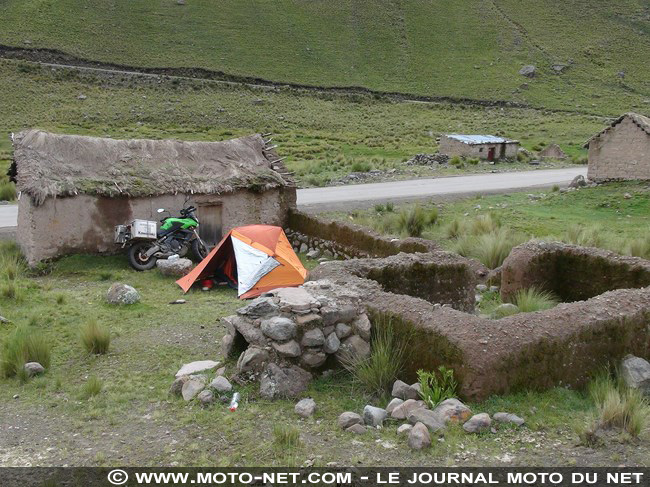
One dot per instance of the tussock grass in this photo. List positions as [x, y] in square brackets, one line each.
[533, 299]
[483, 224]
[412, 221]
[435, 387]
[24, 344]
[286, 436]
[491, 248]
[91, 388]
[95, 338]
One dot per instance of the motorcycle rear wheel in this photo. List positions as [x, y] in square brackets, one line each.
[199, 250]
[137, 259]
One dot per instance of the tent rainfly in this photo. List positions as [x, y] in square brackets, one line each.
[258, 258]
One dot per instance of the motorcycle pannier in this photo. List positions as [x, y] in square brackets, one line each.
[143, 229]
[120, 234]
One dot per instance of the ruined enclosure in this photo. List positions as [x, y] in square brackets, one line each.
[429, 296]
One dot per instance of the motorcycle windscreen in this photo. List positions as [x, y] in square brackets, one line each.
[252, 265]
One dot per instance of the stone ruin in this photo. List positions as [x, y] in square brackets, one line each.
[288, 334]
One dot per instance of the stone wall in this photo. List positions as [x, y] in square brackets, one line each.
[622, 152]
[85, 223]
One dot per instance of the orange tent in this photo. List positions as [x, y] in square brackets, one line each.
[257, 257]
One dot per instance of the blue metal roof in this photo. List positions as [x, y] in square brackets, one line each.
[479, 139]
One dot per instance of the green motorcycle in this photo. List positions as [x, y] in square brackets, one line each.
[177, 236]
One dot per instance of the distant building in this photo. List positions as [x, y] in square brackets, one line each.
[487, 147]
[622, 150]
[75, 189]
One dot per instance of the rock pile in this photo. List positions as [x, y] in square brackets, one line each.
[286, 335]
[192, 382]
[427, 159]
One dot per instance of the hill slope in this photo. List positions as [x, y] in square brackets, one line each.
[468, 48]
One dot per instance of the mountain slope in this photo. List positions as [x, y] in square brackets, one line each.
[462, 48]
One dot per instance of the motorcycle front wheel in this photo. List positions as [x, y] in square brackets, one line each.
[138, 259]
[199, 250]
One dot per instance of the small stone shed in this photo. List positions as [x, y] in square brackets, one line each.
[75, 189]
[488, 147]
[622, 150]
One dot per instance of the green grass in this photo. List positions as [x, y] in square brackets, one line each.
[472, 49]
[91, 388]
[437, 386]
[95, 337]
[532, 299]
[24, 344]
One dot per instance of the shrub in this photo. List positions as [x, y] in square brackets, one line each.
[436, 387]
[455, 228]
[412, 221]
[378, 372]
[285, 436]
[390, 207]
[473, 161]
[555, 188]
[91, 388]
[455, 161]
[484, 224]
[533, 299]
[361, 166]
[95, 338]
[23, 345]
[7, 191]
[379, 208]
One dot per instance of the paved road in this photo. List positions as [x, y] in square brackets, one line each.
[360, 194]
[363, 194]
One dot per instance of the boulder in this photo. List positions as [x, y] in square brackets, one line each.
[252, 360]
[506, 309]
[349, 418]
[353, 347]
[289, 349]
[221, 384]
[174, 267]
[287, 382]
[333, 315]
[313, 359]
[310, 320]
[636, 373]
[251, 333]
[227, 343]
[357, 428]
[177, 386]
[479, 423]
[305, 408]
[196, 367]
[205, 397]
[578, 182]
[122, 294]
[452, 410]
[313, 338]
[426, 417]
[259, 307]
[404, 391]
[297, 299]
[192, 387]
[279, 328]
[406, 408]
[528, 71]
[419, 437]
[342, 330]
[362, 326]
[332, 343]
[404, 429]
[393, 404]
[374, 416]
[33, 368]
[508, 418]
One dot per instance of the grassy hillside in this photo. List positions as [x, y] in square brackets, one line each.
[472, 48]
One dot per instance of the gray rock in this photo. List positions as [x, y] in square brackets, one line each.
[174, 267]
[220, 371]
[251, 333]
[578, 182]
[452, 410]
[426, 417]
[305, 408]
[362, 326]
[313, 359]
[393, 404]
[259, 307]
[252, 360]
[333, 315]
[289, 349]
[404, 429]
[122, 294]
[192, 387]
[481, 288]
[221, 384]
[227, 343]
[279, 328]
[479, 423]
[343, 330]
[353, 347]
[313, 254]
[196, 367]
[529, 71]
[349, 418]
[419, 437]
[332, 343]
[205, 397]
[508, 418]
[404, 391]
[417, 388]
[374, 416]
[313, 338]
[288, 382]
[406, 408]
[506, 309]
[636, 373]
[358, 429]
[309, 320]
[296, 298]
[177, 386]
[33, 368]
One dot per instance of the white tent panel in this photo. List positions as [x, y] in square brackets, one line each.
[252, 265]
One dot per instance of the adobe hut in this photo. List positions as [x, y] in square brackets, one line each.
[622, 150]
[488, 147]
[74, 189]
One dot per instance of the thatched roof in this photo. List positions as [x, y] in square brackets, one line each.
[641, 121]
[52, 165]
